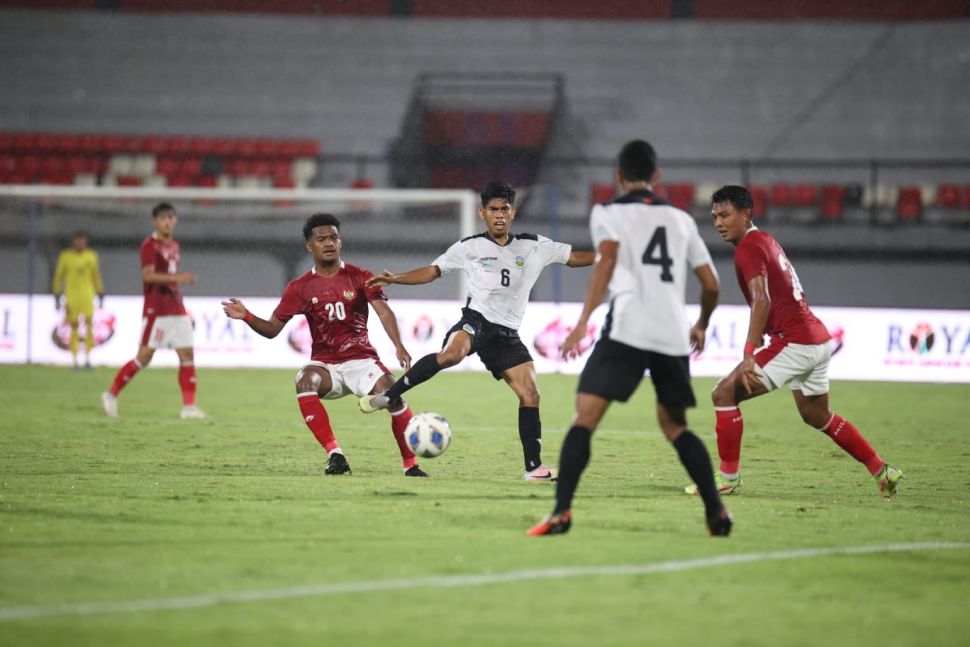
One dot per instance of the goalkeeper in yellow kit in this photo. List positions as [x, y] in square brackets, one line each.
[78, 279]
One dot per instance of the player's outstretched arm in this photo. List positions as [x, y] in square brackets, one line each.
[580, 259]
[389, 321]
[599, 282]
[710, 292]
[418, 276]
[235, 309]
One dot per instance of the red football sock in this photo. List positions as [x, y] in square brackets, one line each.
[187, 383]
[729, 426]
[399, 422]
[124, 375]
[317, 420]
[853, 442]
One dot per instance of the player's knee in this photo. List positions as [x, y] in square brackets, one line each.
[529, 398]
[723, 394]
[448, 358]
[307, 381]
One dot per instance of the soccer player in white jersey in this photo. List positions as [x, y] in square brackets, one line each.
[502, 267]
[645, 249]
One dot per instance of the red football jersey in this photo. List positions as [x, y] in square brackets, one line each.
[336, 307]
[161, 298]
[789, 317]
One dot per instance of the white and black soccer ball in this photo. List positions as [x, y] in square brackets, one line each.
[428, 434]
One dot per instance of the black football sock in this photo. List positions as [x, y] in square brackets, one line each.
[421, 371]
[572, 462]
[530, 433]
[695, 458]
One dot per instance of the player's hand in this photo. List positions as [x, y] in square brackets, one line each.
[386, 277]
[749, 377]
[234, 308]
[698, 337]
[189, 277]
[404, 358]
[570, 347]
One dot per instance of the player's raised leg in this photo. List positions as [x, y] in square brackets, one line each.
[815, 411]
[458, 346]
[109, 399]
[312, 383]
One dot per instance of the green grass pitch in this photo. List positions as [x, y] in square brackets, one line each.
[226, 532]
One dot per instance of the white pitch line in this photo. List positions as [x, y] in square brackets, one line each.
[447, 582]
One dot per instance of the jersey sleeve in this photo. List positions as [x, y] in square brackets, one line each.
[291, 303]
[147, 253]
[601, 227]
[697, 252]
[553, 252]
[452, 259]
[751, 261]
[374, 293]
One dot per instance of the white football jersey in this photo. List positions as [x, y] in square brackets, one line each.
[659, 246]
[501, 278]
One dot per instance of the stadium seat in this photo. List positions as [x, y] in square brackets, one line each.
[155, 145]
[245, 148]
[804, 195]
[90, 144]
[965, 197]
[601, 192]
[308, 148]
[362, 183]
[29, 166]
[948, 196]
[681, 195]
[832, 205]
[167, 166]
[8, 163]
[6, 143]
[909, 204]
[191, 166]
[143, 165]
[304, 170]
[85, 179]
[177, 145]
[781, 195]
[121, 164]
[66, 144]
[200, 147]
[759, 195]
[267, 148]
[25, 143]
[132, 144]
[223, 147]
[128, 180]
[180, 180]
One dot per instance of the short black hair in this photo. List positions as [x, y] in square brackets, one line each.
[319, 220]
[162, 207]
[497, 189]
[738, 196]
[637, 161]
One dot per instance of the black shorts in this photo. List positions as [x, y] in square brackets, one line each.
[498, 347]
[614, 370]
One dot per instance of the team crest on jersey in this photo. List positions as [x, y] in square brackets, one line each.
[349, 294]
[519, 261]
[314, 301]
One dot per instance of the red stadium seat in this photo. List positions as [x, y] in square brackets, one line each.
[191, 166]
[90, 144]
[8, 163]
[246, 147]
[804, 195]
[25, 142]
[281, 169]
[236, 167]
[132, 143]
[267, 148]
[781, 195]
[223, 147]
[6, 143]
[155, 145]
[308, 148]
[681, 195]
[290, 148]
[909, 204]
[167, 166]
[948, 196]
[362, 183]
[44, 143]
[832, 205]
[200, 146]
[181, 180]
[67, 144]
[759, 195]
[207, 181]
[29, 165]
[178, 145]
[129, 180]
[81, 164]
[601, 192]
[965, 197]
[111, 144]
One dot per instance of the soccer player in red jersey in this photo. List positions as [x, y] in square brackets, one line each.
[165, 321]
[334, 298]
[797, 351]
